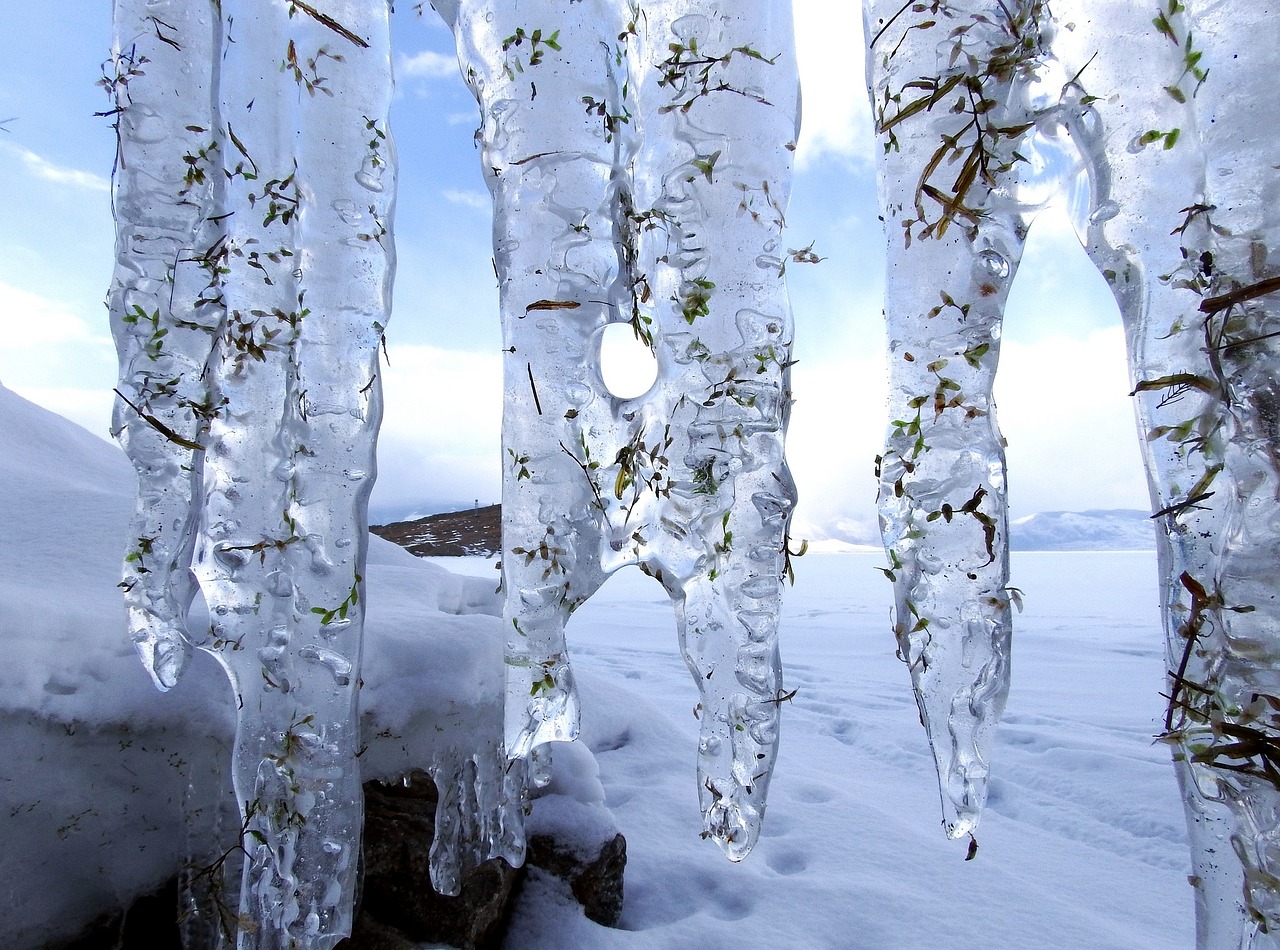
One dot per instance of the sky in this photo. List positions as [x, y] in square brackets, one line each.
[1062, 391]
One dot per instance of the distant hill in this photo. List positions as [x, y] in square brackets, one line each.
[478, 531]
[1121, 529]
[474, 532]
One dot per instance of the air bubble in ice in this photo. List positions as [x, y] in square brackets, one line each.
[993, 264]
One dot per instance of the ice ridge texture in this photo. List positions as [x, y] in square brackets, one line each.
[254, 194]
[639, 158]
[1145, 119]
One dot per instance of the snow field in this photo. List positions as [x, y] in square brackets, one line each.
[1082, 845]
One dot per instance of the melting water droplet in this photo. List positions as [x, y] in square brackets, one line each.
[760, 587]
[336, 663]
[146, 125]
[370, 175]
[232, 557]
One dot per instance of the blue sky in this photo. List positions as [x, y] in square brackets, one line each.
[1062, 394]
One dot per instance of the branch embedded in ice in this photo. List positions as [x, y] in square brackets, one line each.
[616, 142]
[165, 190]
[251, 293]
[952, 109]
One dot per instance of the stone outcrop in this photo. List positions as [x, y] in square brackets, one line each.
[398, 910]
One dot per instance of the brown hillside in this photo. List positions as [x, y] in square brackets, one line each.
[477, 531]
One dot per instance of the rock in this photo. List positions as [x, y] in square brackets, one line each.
[596, 884]
[575, 842]
[569, 840]
[150, 921]
[398, 907]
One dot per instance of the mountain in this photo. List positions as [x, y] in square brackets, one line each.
[477, 531]
[1121, 529]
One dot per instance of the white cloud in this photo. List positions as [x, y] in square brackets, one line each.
[1065, 409]
[1063, 406]
[467, 198]
[56, 358]
[88, 408]
[428, 65]
[57, 174]
[48, 346]
[836, 119]
[34, 322]
[837, 429]
[441, 429]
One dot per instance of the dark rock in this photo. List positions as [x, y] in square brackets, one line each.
[150, 921]
[597, 884]
[399, 909]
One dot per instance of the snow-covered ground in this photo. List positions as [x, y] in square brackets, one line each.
[1082, 846]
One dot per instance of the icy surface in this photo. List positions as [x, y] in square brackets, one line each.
[1142, 120]
[955, 235]
[164, 324]
[1081, 844]
[251, 293]
[639, 160]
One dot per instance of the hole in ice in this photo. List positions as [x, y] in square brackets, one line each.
[627, 366]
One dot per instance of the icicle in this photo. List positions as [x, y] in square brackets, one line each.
[1181, 178]
[951, 94]
[717, 122]
[549, 164]
[303, 276]
[1232, 624]
[1147, 235]
[209, 882]
[615, 144]
[167, 171]
[480, 812]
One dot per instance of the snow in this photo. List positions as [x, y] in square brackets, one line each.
[1082, 844]
[98, 764]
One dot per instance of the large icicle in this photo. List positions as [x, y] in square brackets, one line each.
[951, 93]
[290, 461]
[165, 184]
[717, 122]
[549, 164]
[1183, 228]
[261, 230]
[1181, 183]
[617, 141]
[1233, 626]
[1147, 235]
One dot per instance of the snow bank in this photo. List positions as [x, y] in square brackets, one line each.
[97, 764]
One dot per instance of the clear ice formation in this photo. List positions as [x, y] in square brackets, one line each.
[1145, 113]
[955, 238]
[163, 327]
[254, 194]
[645, 183]
[639, 158]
